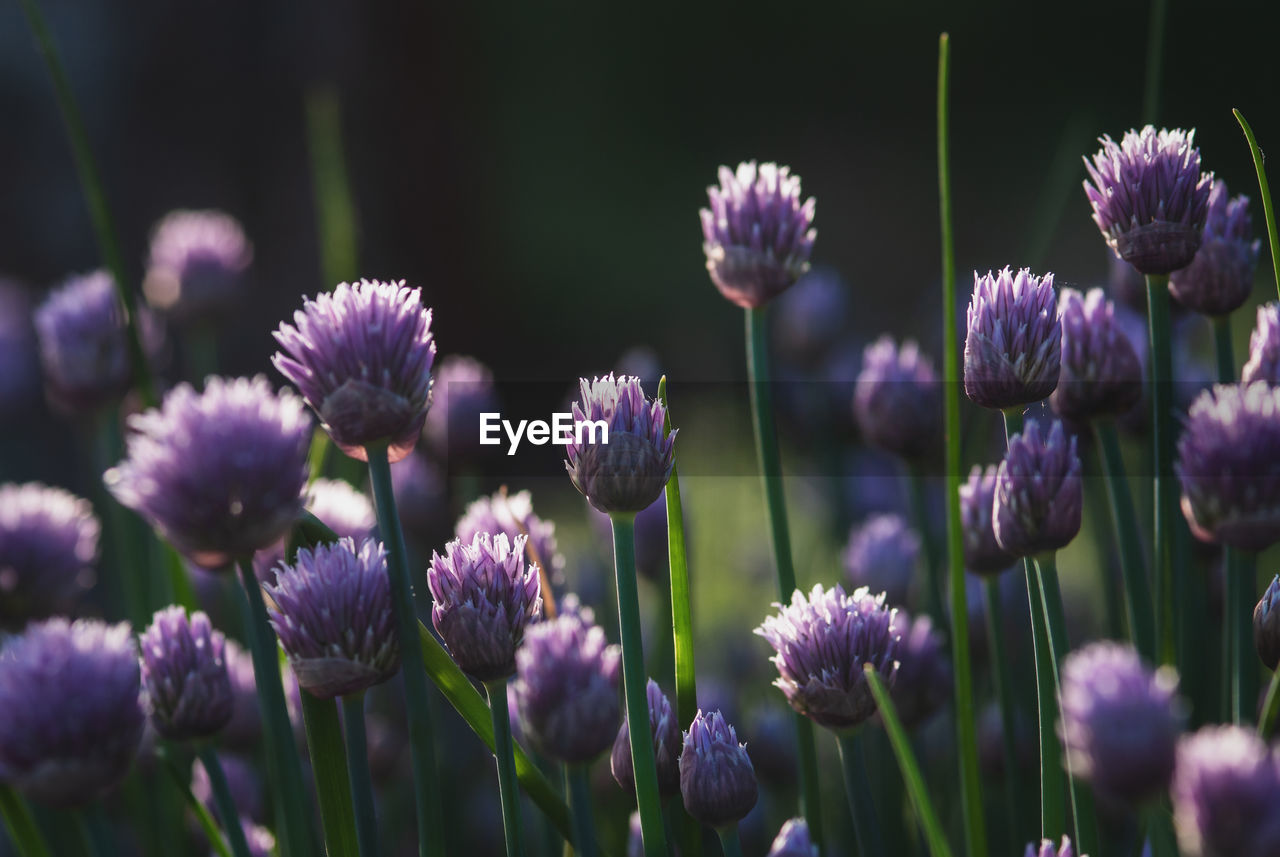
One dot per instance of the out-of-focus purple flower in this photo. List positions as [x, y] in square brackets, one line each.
[1220, 277]
[84, 344]
[462, 391]
[883, 554]
[184, 672]
[898, 400]
[665, 730]
[242, 780]
[73, 718]
[757, 234]
[1264, 347]
[821, 643]
[1039, 493]
[421, 499]
[485, 596]
[923, 684]
[362, 357]
[566, 687]
[261, 841]
[197, 262]
[1048, 849]
[809, 319]
[717, 781]
[244, 730]
[1229, 465]
[625, 468]
[48, 545]
[793, 840]
[773, 745]
[334, 618]
[1126, 285]
[1266, 625]
[512, 515]
[1225, 788]
[343, 508]
[1149, 197]
[635, 836]
[982, 553]
[1101, 374]
[19, 352]
[1013, 349]
[220, 474]
[1120, 722]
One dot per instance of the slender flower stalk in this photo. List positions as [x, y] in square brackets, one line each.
[862, 806]
[504, 752]
[225, 802]
[1273, 236]
[358, 769]
[584, 828]
[1137, 588]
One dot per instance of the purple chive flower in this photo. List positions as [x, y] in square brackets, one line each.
[362, 357]
[1013, 347]
[1149, 197]
[462, 391]
[221, 473]
[982, 553]
[485, 595]
[1120, 722]
[923, 684]
[1266, 625]
[809, 320]
[625, 468]
[773, 745]
[665, 730]
[898, 400]
[1229, 465]
[822, 642]
[71, 694]
[793, 840]
[717, 780]
[566, 687]
[883, 554]
[343, 508]
[512, 515]
[261, 841]
[48, 545]
[1225, 789]
[420, 499]
[244, 730]
[333, 616]
[757, 234]
[1101, 373]
[184, 672]
[1264, 347]
[84, 344]
[1219, 279]
[1048, 849]
[1039, 493]
[197, 263]
[242, 780]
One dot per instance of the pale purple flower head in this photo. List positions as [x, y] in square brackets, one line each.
[48, 546]
[923, 683]
[1220, 277]
[624, 469]
[1266, 625]
[757, 234]
[566, 687]
[883, 554]
[1225, 789]
[463, 389]
[667, 742]
[184, 671]
[793, 840]
[1101, 374]
[1013, 347]
[1039, 493]
[1120, 722]
[512, 515]
[717, 781]
[220, 474]
[362, 357]
[898, 400]
[982, 553]
[485, 596]
[196, 266]
[343, 508]
[244, 730]
[71, 694]
[1264, 347]
[809, 320]
[334, 617]
[1229, 465]
[1149, 197]
[821, 643]
[1046, 848]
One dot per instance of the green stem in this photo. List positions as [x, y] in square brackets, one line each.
[1259, 165]
[505, 756]
[1161, 363]
[862, 807]
[222, 797]
[975, 833]
[729, 841]
[933, 565]
[1241, 598]
[584, 829]
[24, 834]
[284, 769]
[125, 532]
[1003, 678]
[366, 815]
[429, 813]
[1137, 589]
[770, 461]
[335, 211]
[1053, 822]
[330, 775]
[1270, 708]
[181, 782]
[633, 680]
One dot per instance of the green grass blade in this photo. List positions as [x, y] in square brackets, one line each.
[329, 770]
[1259, 164]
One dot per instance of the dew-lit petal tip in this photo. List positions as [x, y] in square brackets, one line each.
[897, 399]
[196, 265]
[1220, 277]
[1225, 787]
[48, 547]
[1039, 496]
[717, 781]
[1101, 374]
[1012, 348]
[664, 729]
[184, 672]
